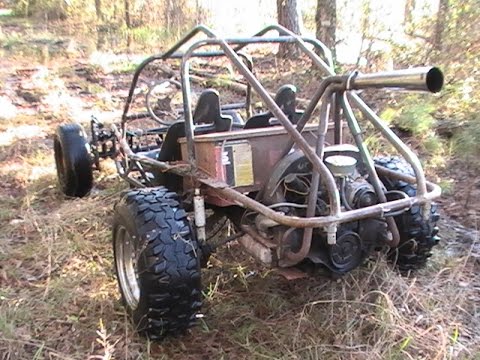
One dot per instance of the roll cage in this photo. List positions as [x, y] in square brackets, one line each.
[335, 91]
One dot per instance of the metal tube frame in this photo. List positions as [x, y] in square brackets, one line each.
[369, 164]
[426, 191]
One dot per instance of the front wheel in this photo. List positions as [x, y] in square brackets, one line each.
[157, 261]
[73, 160]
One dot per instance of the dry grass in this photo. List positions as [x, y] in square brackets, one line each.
[59, 298]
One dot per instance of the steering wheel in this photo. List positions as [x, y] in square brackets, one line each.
[159, 100]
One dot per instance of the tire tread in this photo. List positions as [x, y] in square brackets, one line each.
[417, 235]
[170, 281]
[78, 178]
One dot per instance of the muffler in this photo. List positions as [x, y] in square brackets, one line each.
[422, 78]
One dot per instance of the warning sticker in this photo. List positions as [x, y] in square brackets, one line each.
[239, 167]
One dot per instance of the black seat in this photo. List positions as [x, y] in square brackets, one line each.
[286, 99]
[238, 122]
[207, 117]
[170, 149]
[208, 110]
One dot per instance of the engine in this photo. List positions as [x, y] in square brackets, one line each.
[288, 191]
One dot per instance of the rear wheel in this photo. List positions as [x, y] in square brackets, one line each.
[157, 261]
[73, 160]
[418, 236]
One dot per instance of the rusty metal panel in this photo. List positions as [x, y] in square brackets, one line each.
[244, 159]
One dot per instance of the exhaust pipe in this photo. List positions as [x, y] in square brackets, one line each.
[421, 78]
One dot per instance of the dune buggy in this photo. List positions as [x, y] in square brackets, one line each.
[298, 193]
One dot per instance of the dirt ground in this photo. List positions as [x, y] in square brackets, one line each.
[58, 293]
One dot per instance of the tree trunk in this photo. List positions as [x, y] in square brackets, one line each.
[326, 23]
[407, 14]
[440, 25]
[287, 13]
[98, 9]
[168, 15]
[200, 13]
[128, 21]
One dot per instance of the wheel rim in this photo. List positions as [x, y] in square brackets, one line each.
[125, 257]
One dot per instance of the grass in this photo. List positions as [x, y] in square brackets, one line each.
[59, 297]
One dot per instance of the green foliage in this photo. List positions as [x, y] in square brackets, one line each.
[10, 41]
[126, 67]
[433, 144]
[413, 115]
[377, 145]
[148, 21]
[50, 9]
[149, 37]
[466, 142]
[457, 55]
[447, 186]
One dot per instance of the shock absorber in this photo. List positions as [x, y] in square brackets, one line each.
[199, 214]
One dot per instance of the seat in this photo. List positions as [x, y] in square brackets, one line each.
[238, 122]
[207, 117]
[170, 149]
[286, 99]
[206, 111]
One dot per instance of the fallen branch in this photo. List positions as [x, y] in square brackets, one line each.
[204, 78]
